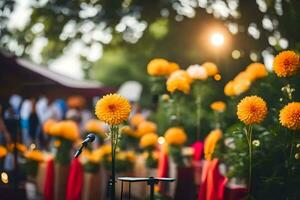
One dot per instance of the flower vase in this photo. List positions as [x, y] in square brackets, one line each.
[60, 181]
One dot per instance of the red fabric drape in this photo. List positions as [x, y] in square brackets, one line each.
[49, 181]
[213, 185]
[198, 150]
[75, 181]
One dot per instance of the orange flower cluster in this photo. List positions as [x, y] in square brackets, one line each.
[34, 155]
[242, 82]
[48, 125]
[136, 119]
[179, 80]
[161, 67]
[126, 155]
[252, 110]
[148, 140]
[95, 126]
[218, 106]
[113, 109]
[65, 129]
[210, 143]
[20, 147]
[175, 136]
[286, 64]
[290, 116]
[146, 127]
[211, 68]
[94, 156]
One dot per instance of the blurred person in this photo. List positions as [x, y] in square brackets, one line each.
[25, 111]
[34, 124]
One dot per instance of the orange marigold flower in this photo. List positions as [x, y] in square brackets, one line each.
[48, 125]
[172, 67]
[69, 130]
[146, 127]
[136, 119]
[286, 64]
[290, 116]
[211, 68]
[94, 156]
[179, 80]
[175, 136]
[158, 67]
[95, 126]
[240, 86]
[148, 140]
[228, 89]
[35, 155]
[210, 143]
[252, 110]
[20, 147]
[218, 106]
[3, 151]
[113, 109]
[257, 70]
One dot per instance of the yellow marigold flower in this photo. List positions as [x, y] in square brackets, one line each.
[48, 125]
[130, 155]
[113, 109]
[172, 67]
[127, 130]
[95, 126]
[136, 119]
[146, 127]
[210, 143]
[175, 136]
[218, 106]
[252, 110]
[3, 151]
[240, 86]
[158, 67]
[148, 140]
[69, 130]
[286, 64]
[290, 116]
[211, 68]
[35, 155]
[228, 89]
[257, 70]
[179, 80]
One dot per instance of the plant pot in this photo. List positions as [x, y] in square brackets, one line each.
[60, 181]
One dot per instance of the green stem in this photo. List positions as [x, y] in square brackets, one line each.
[114, 132]
[249, 140]
[291, 155]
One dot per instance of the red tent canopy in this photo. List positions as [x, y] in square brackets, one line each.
[27, 79]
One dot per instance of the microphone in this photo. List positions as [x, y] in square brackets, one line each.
[89, 138]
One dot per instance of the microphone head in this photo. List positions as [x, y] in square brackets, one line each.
[91, 136]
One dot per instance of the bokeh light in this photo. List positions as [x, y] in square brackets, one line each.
[217, 39]
[4, 177]
[161, 140]
[236, 54]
